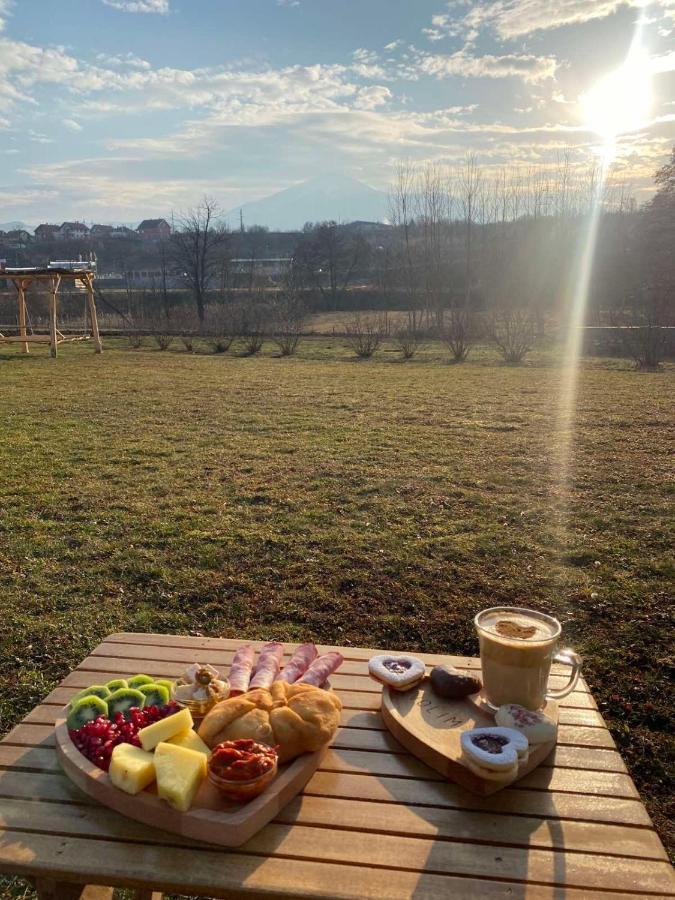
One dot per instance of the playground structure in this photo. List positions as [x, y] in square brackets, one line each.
[81, 275]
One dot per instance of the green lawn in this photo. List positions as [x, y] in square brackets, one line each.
[377, 502]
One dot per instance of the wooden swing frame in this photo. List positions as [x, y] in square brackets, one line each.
[22, 279]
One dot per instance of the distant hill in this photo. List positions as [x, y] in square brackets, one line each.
[15, 226]
[319, 199]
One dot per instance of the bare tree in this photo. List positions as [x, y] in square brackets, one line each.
[199, 245]
[329, 257]
[470, 189]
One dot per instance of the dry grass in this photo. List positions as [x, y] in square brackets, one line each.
[373, 503]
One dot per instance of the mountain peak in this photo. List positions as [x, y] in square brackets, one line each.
[320, 198]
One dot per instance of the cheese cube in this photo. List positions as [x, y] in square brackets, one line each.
[131, 769]
[180, 773]
[191, 740]
[165, 729]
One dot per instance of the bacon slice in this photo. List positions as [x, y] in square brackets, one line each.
[298, 663]
[240, 670]
[269, 663]
[322, 668]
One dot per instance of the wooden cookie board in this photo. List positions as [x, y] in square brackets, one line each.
[431, 727]
[211, 818]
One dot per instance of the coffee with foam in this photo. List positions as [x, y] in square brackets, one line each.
[516, 650]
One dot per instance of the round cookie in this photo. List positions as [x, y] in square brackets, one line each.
[496, 749]
[537, 727]
[399, 672]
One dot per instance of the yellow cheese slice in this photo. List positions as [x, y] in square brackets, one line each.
[165, 729]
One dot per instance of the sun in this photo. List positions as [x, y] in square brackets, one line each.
[620, 103]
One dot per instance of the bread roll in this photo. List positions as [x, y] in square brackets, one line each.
[297, 718]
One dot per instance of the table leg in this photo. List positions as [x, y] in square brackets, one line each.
[49, 889]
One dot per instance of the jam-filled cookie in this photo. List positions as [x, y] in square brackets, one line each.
[537, 727]
[494, 753]
[399, 672]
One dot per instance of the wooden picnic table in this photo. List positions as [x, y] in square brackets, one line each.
[373, 822]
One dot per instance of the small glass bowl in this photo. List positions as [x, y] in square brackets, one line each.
[199, 708]
[243, 791]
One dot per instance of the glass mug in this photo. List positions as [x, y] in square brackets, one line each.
[517, 647]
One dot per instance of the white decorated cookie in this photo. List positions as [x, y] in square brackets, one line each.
[495, 749]
[490, 774]
[537, 727]
[399, 672]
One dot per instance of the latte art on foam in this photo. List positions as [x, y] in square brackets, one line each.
[517, 627]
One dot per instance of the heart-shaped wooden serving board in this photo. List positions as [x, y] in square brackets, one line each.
[211, 818]
[431, 727]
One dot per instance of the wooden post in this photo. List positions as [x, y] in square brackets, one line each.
[53, 291]
[21, 297]
[98, 346]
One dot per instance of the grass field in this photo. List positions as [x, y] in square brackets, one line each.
[377, 502]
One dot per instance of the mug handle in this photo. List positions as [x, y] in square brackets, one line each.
[568, 658]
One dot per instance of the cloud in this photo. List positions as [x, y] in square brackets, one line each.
[288, 2]
[140, 6]
[517, 18]
[72, 124]
[532, 69]
[122, 60]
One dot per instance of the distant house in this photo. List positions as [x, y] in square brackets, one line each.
[101, 231]
[17, 239]
[72, 231]
[154, 229]
[46, 232]
[121, 231]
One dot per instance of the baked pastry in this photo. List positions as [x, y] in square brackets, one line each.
[295, 718]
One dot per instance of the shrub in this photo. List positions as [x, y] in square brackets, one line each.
[365, 334]
[222, 343]
[646, 344]
[457, 332]
[188, 342]
[136, 341]
[409, 342]
[513, 331]
[288, 317]
[253, 342]
[164, 341]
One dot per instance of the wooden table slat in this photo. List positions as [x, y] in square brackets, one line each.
[275, 879]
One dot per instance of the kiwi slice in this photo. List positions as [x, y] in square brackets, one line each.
[122, 701]
[84, 710]
[139, 680]
[168, 684]
[155, 694]
[96, 690]
[116, 684]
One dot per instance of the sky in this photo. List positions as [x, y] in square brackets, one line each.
[114, 110]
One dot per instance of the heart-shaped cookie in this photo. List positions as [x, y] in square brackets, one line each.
[399, 672]
[496, 749]
[536, 726]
